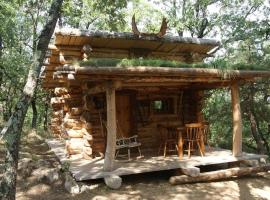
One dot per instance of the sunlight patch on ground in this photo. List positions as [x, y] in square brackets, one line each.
[262, 193]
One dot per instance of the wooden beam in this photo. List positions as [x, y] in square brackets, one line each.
[217, 175]
[237, 120]
[111, 129]
[145, 71]
[103, 87]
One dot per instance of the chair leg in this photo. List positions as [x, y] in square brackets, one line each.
[209, 147]
[139, 149]
[189, 146]
[165, 149]
[128, 153]
[176, 146]
[198, 143]
[159, 149]
[116, 153]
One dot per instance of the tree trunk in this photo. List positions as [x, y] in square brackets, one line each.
[45, 122]
[12, 130]
[260, 141]
[254, 131]
[34, 117]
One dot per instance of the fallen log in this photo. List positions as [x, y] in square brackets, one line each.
[190, 171]
[217, 175]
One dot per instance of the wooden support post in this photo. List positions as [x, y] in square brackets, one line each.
[237, 120]
[111, 128]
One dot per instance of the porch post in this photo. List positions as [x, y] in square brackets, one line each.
[111, 128]
[237, 120]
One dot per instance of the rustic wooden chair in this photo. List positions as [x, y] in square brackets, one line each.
[123, 143]
[126, 143]
[193, 138]
[168, 137]
[206, 134]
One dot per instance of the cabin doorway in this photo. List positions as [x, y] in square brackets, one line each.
[123, 115]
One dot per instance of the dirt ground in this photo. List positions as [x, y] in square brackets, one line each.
[146, 186]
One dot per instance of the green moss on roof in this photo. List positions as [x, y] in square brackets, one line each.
[138, 62]
[219, 64]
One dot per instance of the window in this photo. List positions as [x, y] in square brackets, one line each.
[163, 106]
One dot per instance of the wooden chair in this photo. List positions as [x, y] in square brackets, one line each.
[127, 143]
[124, 143]
[193, 138]
[206, 133]
[168, 137]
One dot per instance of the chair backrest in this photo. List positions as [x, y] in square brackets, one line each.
[193, 131]
[206, 131]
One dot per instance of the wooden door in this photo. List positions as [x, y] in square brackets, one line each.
[123, 115]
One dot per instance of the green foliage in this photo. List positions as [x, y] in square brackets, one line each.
[139, 62]
[84, 14]
[217, 111]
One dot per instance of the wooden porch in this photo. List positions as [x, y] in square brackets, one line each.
[93, 169]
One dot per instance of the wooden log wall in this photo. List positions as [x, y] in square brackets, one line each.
[84, 121]
[77, 129]
[94, 119]
[187, 105]
[192, 106]
[57, 103]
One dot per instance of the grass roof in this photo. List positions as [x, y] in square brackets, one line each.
[219, 64]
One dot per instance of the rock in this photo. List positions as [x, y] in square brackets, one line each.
[42, 163]
[25, 167]
[71, 185]
[113, 181]
[50, 174]
[34, 137]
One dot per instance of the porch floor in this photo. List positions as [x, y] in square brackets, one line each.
[82, 169]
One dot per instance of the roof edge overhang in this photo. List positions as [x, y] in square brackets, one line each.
[130, 35]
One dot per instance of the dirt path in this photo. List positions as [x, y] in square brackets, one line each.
[148, 186]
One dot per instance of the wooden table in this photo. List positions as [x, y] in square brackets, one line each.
[181, 131]
[179, 136]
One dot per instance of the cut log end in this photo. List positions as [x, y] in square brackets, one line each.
[113, 181]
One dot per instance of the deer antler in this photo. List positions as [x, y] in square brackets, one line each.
[134, 26]
[161, 32]
[163, 28]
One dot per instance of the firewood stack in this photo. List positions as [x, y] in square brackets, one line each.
[72, 124]
[76, 118]
[95, 122]
[57, 104]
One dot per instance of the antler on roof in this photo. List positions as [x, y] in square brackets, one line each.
[161, 32]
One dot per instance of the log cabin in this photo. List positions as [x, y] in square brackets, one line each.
[94, 106]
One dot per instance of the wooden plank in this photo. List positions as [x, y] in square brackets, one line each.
[111, 129]
[93, 169]
[237, 120]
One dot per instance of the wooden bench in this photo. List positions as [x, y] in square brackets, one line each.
[127, 143]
